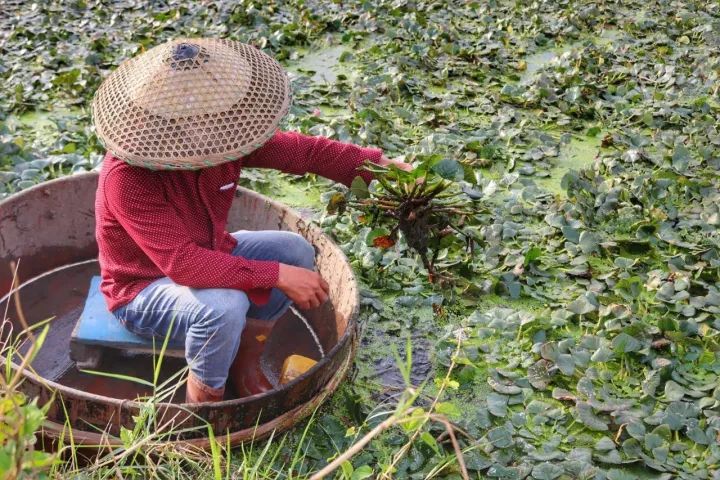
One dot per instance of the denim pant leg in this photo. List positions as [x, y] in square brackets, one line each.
[284, 247]
[208, 321]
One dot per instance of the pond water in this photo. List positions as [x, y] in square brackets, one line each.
[549, 281]
[388, 375]
[324, 67]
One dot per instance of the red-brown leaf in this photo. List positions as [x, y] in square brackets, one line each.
[383, 241]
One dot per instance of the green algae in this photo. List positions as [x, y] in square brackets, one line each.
[332, 111]
[39, 119]
[579, 153]
[539, 60]
[42, 128]
[298, 194]
[295, 192]
[491, 300]
[34, 127]
[536, 61]
[324, 64]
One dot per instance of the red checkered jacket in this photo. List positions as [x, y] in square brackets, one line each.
[151, 224]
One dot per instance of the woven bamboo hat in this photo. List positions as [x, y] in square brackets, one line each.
[191, 103]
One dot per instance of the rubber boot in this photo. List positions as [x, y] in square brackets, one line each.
[198, 392]
[245, 373]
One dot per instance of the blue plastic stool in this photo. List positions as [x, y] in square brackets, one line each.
[98, 329]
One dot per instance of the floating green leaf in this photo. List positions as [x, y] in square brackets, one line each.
[449, 169]
[547, 471]
[587, 417]
[500, 437]
[359, 188]
[584, 304]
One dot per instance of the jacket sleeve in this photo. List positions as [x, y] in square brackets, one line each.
[136, 198]
[293, 152]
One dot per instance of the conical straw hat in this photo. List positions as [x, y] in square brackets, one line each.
[191, 103]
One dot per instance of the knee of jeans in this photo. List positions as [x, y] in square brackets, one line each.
[303, 252]
[225, 311]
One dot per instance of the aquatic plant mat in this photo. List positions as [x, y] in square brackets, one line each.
[580, 312]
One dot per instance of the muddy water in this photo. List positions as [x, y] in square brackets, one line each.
[119, 363]
[387, 374]
[310, 330]
[246, 377]
[59, 297]
[290, 336]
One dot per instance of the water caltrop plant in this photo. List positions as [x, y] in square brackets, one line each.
[425, 205]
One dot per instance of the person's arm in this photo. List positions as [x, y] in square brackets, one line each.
[136, 199]
[293, 152]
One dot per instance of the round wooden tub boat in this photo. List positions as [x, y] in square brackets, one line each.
[49, 230]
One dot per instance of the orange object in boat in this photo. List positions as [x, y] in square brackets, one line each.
[294, 366]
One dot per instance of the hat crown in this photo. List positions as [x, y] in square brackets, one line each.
[191, 103]
[185, 51]
[186, 56]
[183, 79]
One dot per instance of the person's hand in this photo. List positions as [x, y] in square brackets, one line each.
[398, 162]
[304, 287]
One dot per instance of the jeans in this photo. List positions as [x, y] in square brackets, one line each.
[209, 321]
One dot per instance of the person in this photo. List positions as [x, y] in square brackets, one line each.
[179, 122]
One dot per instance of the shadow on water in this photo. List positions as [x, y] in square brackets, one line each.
[385, 372]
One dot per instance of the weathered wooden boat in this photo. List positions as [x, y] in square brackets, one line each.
[49, 230]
